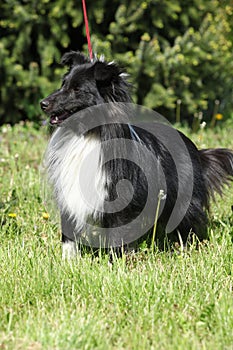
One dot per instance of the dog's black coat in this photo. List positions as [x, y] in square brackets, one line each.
[93, 83]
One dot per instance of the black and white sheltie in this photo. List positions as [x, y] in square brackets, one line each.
[85, 178]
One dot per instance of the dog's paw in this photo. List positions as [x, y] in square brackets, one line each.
[69, 250]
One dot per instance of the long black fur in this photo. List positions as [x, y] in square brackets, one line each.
[92, 83]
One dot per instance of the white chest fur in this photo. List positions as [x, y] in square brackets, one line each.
[74, 166]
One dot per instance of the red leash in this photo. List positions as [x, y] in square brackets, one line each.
[87, 29]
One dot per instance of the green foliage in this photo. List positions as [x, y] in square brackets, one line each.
[173, 50]
[33, 35]
[178, 50]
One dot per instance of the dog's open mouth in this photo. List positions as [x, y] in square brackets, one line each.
[57, 119]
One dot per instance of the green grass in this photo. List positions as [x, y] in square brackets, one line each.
[146, 301]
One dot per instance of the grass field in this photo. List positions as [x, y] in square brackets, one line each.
[148, 301]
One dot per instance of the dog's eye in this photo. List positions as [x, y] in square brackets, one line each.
[76, 89]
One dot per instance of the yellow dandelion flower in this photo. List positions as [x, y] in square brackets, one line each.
[45, 216]
[219, 116]
[12, 215]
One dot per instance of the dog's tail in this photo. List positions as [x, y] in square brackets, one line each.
[217, 165]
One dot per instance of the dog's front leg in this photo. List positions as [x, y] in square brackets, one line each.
[69, 246]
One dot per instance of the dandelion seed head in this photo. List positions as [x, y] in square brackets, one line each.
[202, 125]
[162, 195]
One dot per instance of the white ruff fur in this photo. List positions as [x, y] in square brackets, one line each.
[74, 166]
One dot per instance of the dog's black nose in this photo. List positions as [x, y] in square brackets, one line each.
[44, 105]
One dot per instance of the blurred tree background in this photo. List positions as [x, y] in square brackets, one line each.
[178, 53]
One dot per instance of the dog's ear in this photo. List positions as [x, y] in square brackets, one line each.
[111, 81]
[73, 58]
[106, 72]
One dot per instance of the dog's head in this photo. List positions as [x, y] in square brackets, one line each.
[87, 83]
